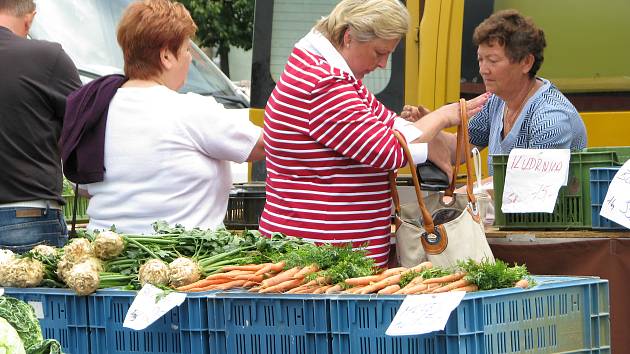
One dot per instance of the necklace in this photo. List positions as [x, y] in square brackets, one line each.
[510, 119]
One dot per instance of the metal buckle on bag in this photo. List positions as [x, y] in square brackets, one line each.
[432, 238]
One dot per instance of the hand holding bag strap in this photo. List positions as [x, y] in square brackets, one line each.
[466, 150]
[462, 146]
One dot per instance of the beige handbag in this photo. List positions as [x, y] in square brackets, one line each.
[454, 231]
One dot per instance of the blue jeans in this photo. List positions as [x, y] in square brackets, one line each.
[24, 228]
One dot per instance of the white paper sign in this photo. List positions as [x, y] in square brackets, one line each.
[1, 291]
[420, 314]
[533, 179]
[616, 205]
[149, 305]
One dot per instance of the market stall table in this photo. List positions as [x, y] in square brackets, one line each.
[576, 252]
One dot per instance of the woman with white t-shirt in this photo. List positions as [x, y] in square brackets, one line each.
[166, 155]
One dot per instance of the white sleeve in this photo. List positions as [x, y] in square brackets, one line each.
[223, 134]
[410, 132]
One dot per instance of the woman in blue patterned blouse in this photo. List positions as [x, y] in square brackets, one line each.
[524, 111]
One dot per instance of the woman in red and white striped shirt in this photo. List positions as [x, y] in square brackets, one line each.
[329, 143]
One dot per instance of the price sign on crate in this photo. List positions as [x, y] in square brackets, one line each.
[149, 305]
[420, 314]
[616, 205]
[533, 179]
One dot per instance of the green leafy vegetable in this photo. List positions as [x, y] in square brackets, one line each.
[407, 277]
[488, 275]
[21, 317]
[10, 342]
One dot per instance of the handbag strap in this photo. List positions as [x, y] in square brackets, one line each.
[462, 146]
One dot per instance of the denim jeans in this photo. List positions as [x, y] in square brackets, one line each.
[21, 229]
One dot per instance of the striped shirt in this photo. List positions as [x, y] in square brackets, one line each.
[329, 147]
[547, 121]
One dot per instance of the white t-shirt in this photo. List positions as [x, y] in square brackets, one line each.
[167, 158]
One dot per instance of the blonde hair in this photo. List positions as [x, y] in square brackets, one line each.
[367, 20]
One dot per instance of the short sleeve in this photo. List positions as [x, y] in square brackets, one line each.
[220, 133]
[550, 128]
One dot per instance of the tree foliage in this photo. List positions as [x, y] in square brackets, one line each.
[223, 23]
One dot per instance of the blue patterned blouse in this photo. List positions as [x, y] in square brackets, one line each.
[547, 121]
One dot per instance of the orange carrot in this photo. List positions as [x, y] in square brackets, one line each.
[422, 266]
[430, 288]
[248, 267]
[306, 271]
[322, 289]
[271, 267]
[388, 290]
[393, 271]
[523, 283]
[445, 279]
[414, 289]
[394, 279]
[224, 286]
[354, 290]
[230, 285]
[467, 288]
[281, 287]
[454, 285]
[202, 283]
[415, 281]
[334, 289]
[363, 280]
[248, 277]
[249, 284]
[307, 290]
[228, 274]
[280, 277]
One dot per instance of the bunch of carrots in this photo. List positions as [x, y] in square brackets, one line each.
[274, 278]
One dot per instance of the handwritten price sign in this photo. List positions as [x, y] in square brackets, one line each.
[616, 206]
[420, 314]
[533, 179]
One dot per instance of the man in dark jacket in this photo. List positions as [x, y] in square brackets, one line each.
[35, 78]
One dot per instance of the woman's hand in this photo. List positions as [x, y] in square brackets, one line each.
[413, 113]
[450, 112]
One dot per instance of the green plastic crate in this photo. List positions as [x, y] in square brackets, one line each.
[623, 152]
[573, 206]
[82, 205]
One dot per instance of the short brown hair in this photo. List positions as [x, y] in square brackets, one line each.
[17, 8]
[146, 27]
[518, 34]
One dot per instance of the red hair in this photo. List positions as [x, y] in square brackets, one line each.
[147, 27]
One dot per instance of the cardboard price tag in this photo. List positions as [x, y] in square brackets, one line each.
[420, 314]
[149, 305]
[533, 179]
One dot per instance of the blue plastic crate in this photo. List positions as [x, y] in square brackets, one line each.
[600, 181]
[249, 323]
[62, 315]
[184, 329]
[561, 314]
